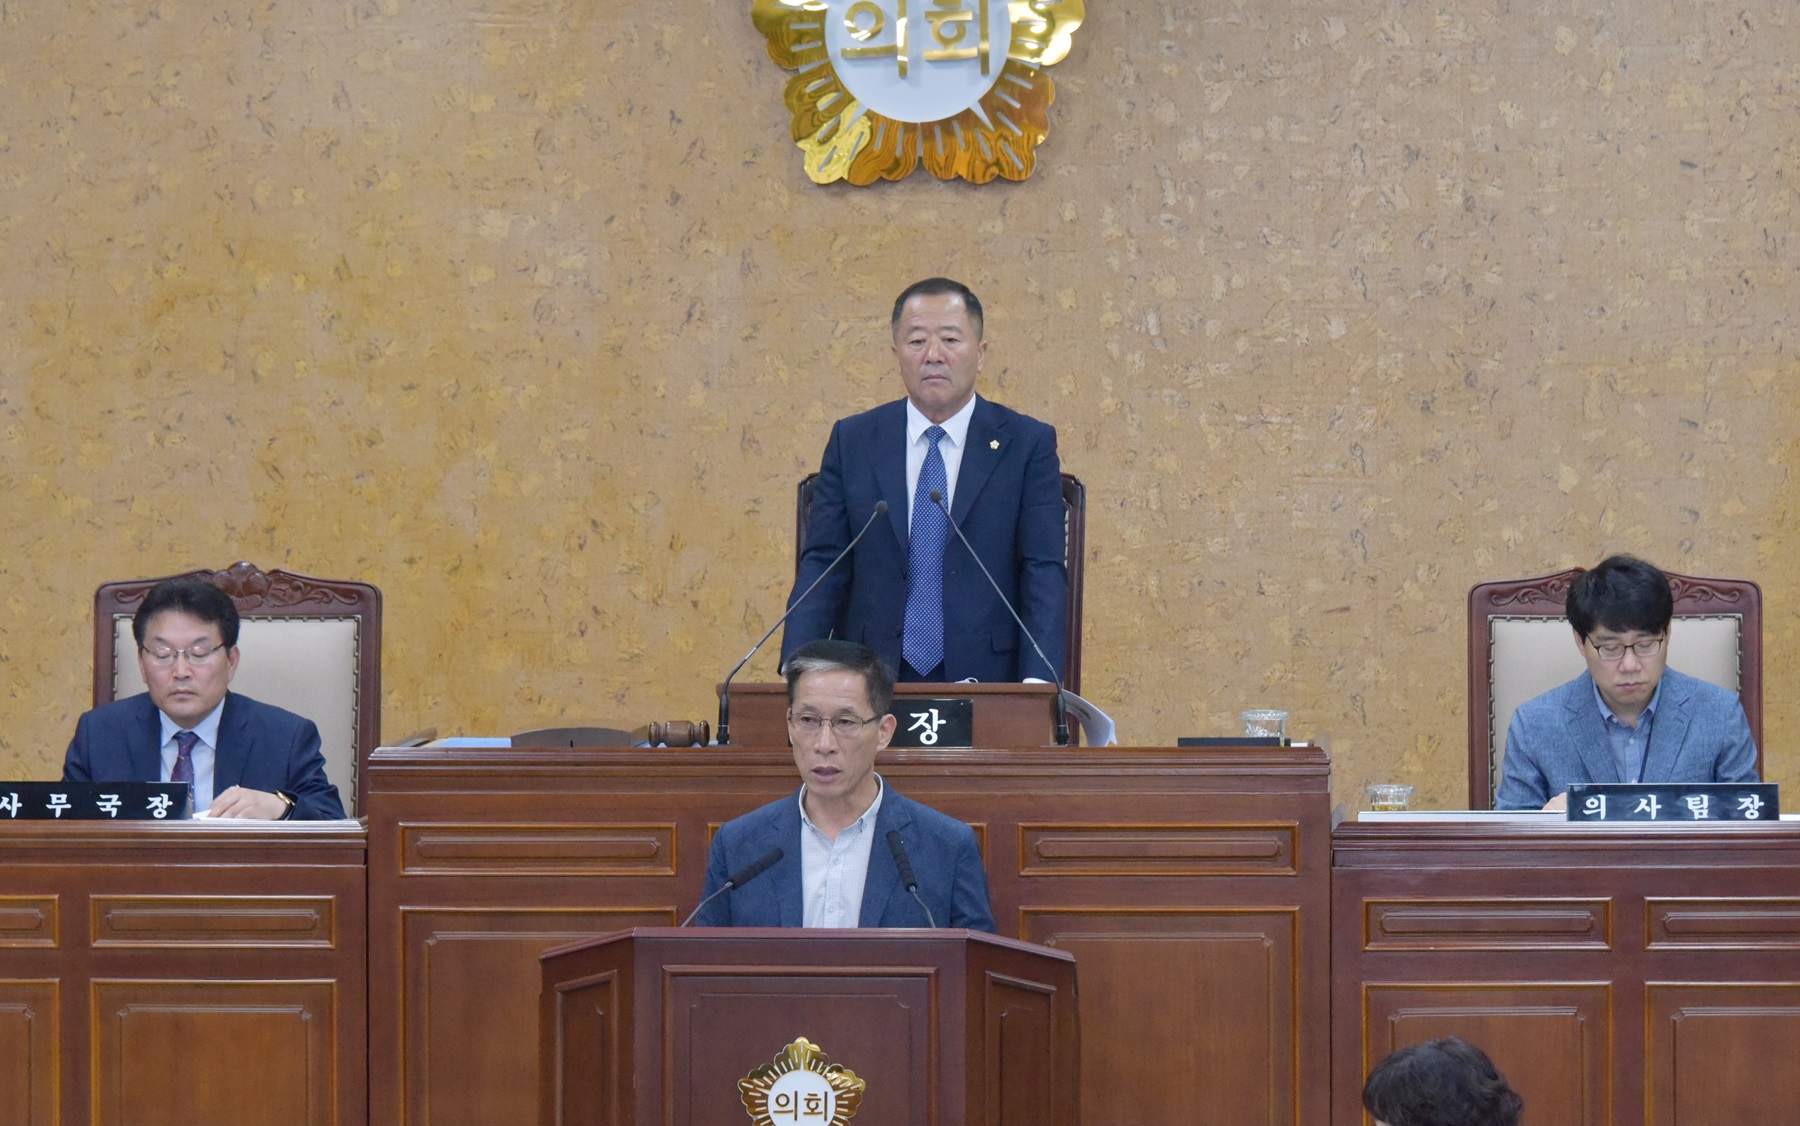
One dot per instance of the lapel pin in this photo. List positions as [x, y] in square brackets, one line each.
[994, 445]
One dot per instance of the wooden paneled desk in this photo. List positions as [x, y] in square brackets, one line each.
[1190, 884]
[1619, 975]
[182, 973]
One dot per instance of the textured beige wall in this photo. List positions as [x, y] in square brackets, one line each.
[526, 313]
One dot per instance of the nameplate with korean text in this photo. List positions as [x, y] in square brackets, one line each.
[1686, 801]
[93, 801]
[934, 723]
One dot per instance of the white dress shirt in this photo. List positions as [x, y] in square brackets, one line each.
[833, 872]
[956, 437]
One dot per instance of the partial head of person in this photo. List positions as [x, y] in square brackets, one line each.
[1448, 1082]
[1620, 612]
[839, 694]
[187, 633]
[937, 327]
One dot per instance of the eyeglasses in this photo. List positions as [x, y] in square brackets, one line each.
[844, 726]
[1613, 651]
[163, 656]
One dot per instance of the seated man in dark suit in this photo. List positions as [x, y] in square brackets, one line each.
[1628, 718]
[242, 758]
[837, 866]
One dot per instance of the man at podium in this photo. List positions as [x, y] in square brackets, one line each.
[846, 850]
[910, 590]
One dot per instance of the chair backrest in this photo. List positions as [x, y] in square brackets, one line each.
[1074, 495]
[312, 646]
[1521, 646]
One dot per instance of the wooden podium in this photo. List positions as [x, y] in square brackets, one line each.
[658, 1025]
[1006, 715]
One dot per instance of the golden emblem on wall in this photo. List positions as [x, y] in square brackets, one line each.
[882, 86]
[802, 1085]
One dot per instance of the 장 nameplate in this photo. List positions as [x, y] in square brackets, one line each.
[1685, 801]
[934, 723]
[93, 801]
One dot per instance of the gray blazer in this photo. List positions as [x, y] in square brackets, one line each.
[1700, 735]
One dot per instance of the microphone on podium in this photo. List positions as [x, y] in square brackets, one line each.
[1062, 714]
[739, 878]
[881, 507]
[907, 880]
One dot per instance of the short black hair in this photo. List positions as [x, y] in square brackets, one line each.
[192, 596]
[844, 656]
[937, 287]
[1448, 1082]
[1623, 594]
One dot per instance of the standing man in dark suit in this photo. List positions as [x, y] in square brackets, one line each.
[837, 867]
[242, 758]
[910, 591]
[1629, 718]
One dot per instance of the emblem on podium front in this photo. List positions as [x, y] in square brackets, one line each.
[801, 1086]
[883, 86]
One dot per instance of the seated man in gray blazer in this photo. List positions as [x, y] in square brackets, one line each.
[830, 855]
[1628, 718]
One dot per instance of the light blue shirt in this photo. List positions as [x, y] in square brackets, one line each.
[1629, 743]
[205, 756]
[833, 872]
[956, 436]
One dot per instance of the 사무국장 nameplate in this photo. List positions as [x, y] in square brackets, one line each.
[93, 801]
[1674, 801]
[934, 723]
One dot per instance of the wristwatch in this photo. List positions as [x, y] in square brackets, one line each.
[289, 799]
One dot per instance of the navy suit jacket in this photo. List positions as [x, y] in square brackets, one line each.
[1008, 502]
[942, 849]
[261, 747]
[1699, 734]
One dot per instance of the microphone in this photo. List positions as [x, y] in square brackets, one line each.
[881, 507]
[739, 878]
[1062, 714]
[907, 880]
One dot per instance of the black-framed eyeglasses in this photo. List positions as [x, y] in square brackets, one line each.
[162, 656]
[843, 726]
[1615, 650]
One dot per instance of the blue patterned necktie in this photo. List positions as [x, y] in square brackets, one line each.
[923, 642]
[184, 762]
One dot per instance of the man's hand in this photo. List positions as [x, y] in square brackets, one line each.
[260, 805]
[1557, 804]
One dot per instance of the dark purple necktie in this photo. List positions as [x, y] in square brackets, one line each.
[184, 760]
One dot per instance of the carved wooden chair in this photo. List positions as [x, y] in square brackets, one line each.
[1074, 495]
[312, 646]
[1520, 646]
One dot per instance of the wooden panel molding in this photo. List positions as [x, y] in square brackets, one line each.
[603, 849]
[147, 921]
[1552, 1040]
[28, 920]
[31, 1058]
[1223, 984]
[1721, 1053]
[1722, 923]
[1021, 1029]
[1487, 924]
[588, 1013]
[470, 971]
[1124, 849]
[740, 1017]
[173, 1053]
